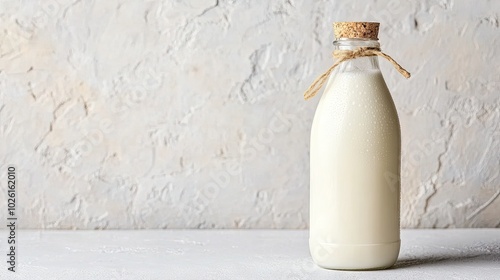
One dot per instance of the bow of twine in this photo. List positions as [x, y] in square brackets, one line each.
[343, 55]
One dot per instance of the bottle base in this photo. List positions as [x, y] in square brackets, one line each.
[354, 256]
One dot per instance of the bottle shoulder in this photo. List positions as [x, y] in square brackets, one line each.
[356, 98]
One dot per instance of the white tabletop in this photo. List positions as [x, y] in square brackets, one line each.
[238, 254]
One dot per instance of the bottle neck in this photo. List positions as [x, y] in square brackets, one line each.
[361, 63]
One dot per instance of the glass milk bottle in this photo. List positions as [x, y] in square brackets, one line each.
[355, 160]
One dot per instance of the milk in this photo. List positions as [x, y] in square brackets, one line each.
[355, 171]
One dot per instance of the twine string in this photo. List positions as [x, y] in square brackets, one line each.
[344, 55]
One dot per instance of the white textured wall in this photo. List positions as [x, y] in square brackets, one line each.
[173, 114]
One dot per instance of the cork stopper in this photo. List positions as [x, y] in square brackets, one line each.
[365, 30]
